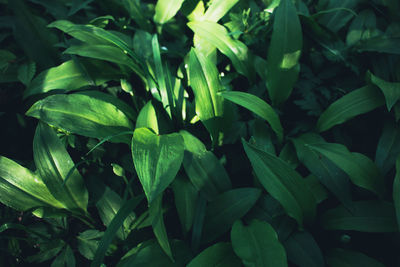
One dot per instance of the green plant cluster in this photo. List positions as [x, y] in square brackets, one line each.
[200, 133]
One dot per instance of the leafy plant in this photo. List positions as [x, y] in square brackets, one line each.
[200, 133]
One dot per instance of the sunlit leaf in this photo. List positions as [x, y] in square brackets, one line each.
[166, 9]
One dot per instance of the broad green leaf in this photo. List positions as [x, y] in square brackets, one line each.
[262, 136]
[258, 106]
[362, 27]
[88, 241]
[71, 76]
[21, 189]
[203, 75]
[225, 209]
[166, 10]
[381, 44]
[217, 35]
[303, 250]
[283, 183]
[203, 168]
[396, 191]
[108, 206]
[219, 254]
[367, 216]
[82, 114]
[257, 244]
[337, 14]
[149, 253]
[284, 52]
[112, 229]
[148, 118]
[26, 72]
[185, 197]
[361, 170]
[391, 90]
[217, 9]
[157, 222]
[324, 169]
[346, 258]
[54, 164]
[355, 103]
[157, 160]
[388, 147]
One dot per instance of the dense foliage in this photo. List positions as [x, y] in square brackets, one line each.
[200, 133]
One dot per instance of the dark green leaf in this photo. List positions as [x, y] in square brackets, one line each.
[396, 191]
[390, 90]
[88, 241]
[388, 147]
[347, 258]
[26, 72]
[220, 254]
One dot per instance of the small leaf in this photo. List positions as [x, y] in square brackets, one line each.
[338, 14]
[225, 209]
[355, 103]
[54, 164]
[390, 90]
[367, 216]
[284, 52]
[220, 254]
[166, 10]
[65, 258]
[157, 160]
[82, 114]
[258, 106]
[26, 72]
[347, 258]
[88, 241]
[283, 183]
[361, 170]
[257, 244]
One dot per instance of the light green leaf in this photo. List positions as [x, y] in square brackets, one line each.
[203, 75]
[220, 254]
[148, 118]
[54, 164]
[324, 169]
[257, 244]
[225, 209]
[258, 106]
[71, 76]
[26, 72]
[217, 9]
[355, 103]
[367, 216]
[217, 35]
[284, 52]
[346, 258]
[157, 222]
[203, 168]
[390, 90]
[157, 160]
[361, 170]
[21, 189]
[396, 191]
[82, 114]
[283, 183]
[166, 10]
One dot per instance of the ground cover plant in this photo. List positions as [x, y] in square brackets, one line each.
[200, 133]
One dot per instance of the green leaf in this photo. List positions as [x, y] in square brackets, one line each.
[390, 90]
[338, 14]
[166, 10]
[133, 7]
[324, 169]
[217, 9]
[65, 258]
[148, 118]
[367, 216]
[203, 168]
[346, 258]
[157, 160]
[388, 147]
[283, 183]
[185, 197]
[396, 191]
[303, 250]
[26, 72]
[157, 222]
[218, 36]
[355, 103]
[220, 254]
[21, 189]
[361, 170]
[88, 241]
[382, 44]
[203, 75]
[225, 209]
[284, 52]
[70, 76]
[54, 163]
[258, 106]
[82, 114]
[257, 244]
[112, 229]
